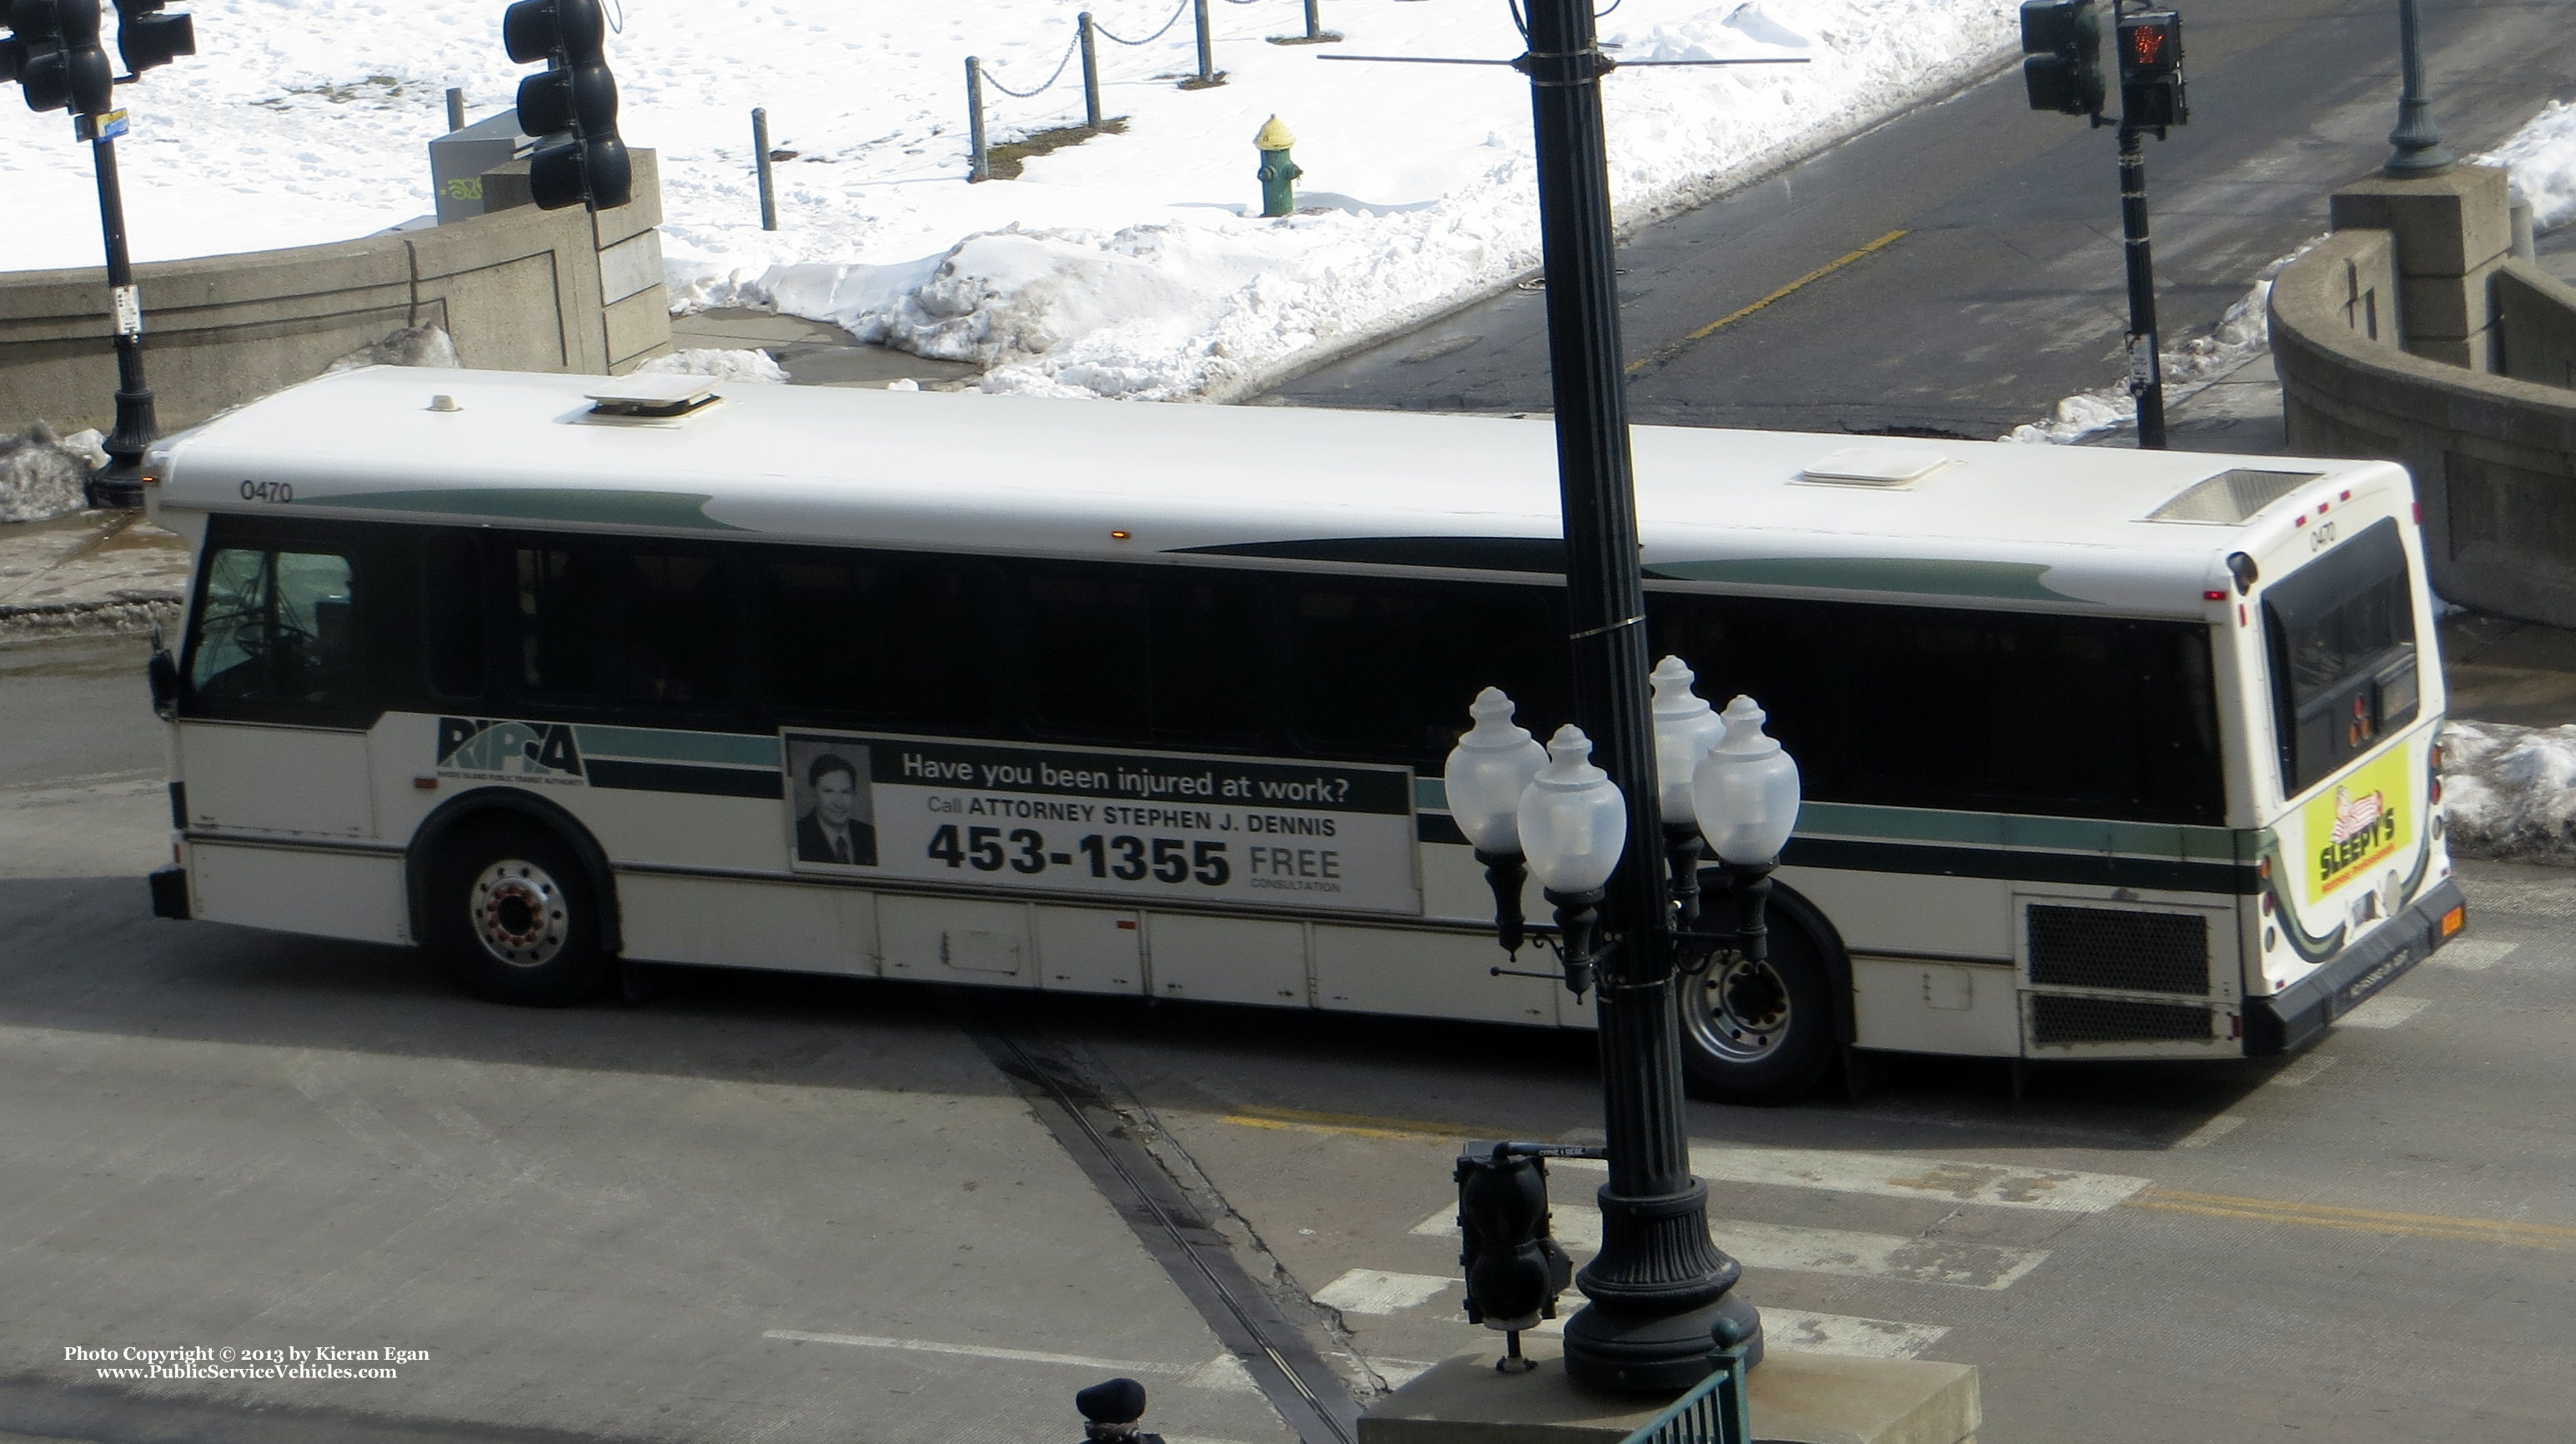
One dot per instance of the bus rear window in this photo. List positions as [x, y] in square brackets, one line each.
[2341, 637]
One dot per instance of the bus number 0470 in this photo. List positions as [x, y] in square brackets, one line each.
[1129, 859]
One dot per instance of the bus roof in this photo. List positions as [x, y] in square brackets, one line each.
[1958, 522]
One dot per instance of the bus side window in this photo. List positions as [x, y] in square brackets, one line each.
[889, 640]
[452, 613]
[1085, 653]
[276, 627]
[1385, 669]
[630, 621]
[1132, 655]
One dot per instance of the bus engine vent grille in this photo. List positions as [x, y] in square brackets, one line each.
[2057, 1019]
[2132, 952]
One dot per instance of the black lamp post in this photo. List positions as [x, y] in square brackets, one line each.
[2417, 140]
[120, 482]
[1660, 1289]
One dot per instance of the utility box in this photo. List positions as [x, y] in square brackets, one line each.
[458, 159]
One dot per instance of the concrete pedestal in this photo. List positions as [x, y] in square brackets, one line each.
[1796, 1399]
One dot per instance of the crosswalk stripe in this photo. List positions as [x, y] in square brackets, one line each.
[1374, 1291]
[2306, 1070]
[2473, 955]
[1815, 1250]
[2210, 1132]
[1898, 1175]
[2383, 1012]
[1845, 1335]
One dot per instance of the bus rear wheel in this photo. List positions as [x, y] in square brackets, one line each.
[513, 915]
[1759, 1033]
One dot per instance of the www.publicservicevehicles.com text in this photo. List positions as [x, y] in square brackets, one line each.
[322, 1361]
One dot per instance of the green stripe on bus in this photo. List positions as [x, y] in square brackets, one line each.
[670, 510]
[730, 748]
[1996, 829]
[1923, 576]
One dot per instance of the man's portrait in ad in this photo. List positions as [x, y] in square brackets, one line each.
[829, 796]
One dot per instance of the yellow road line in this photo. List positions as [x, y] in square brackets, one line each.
[1671, 349]
[1354, 1125]
[2357, 1220]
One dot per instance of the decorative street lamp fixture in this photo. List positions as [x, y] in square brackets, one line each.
[1661, 1291]
[2417, 141]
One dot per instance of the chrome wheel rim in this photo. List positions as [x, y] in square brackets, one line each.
[519, 913]
[1741, 1011]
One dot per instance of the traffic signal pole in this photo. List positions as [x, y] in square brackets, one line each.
[2146, 352]
[120, 482]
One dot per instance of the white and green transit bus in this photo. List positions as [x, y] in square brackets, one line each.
[2108, 754]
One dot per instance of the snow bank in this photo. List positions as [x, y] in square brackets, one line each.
[43, 475]
[2541, 157]
[2510, 792]
[729, 366]
[1130, 265]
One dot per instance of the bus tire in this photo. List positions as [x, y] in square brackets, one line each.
[1760, 1034]
[512, 913]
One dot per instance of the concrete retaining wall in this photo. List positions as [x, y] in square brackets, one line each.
[519, 290]
[2494, 456]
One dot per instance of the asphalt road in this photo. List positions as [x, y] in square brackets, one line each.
[2003, 290]
[787, 1209]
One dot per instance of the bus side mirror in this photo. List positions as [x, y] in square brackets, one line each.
[163, 673]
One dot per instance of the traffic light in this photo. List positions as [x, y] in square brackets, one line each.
[2150, 44]
[1514, 1269]
[2063, 42]
[571, 105]
[145, 37]
[54, 54]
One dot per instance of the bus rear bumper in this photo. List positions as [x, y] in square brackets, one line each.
[2296, 1014]
[170, 893]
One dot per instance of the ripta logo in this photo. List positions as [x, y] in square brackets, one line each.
[511, 749]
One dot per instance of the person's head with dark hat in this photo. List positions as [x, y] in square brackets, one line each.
[1111, 1409]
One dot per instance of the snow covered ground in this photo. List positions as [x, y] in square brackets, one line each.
[1132, 265]
[2510, 792]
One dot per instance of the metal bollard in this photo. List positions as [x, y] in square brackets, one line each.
[768, 184]
[1090, 71]
[455, 108]
[1278, 173]
[979, 166]
[1207, 46]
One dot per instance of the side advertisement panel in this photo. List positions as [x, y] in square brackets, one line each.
[1329, 837]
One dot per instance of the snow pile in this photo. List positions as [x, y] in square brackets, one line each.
[425, 345]
[754, 367]
[43, 475]
[2541, 158]
[2510, 792]
[1131, 264]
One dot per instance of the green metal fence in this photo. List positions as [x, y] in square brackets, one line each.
[1713, 1412]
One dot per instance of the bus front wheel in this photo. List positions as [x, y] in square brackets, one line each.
[513, 915]
[1759, 1033]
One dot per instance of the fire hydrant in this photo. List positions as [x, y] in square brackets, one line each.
[1278, 173]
